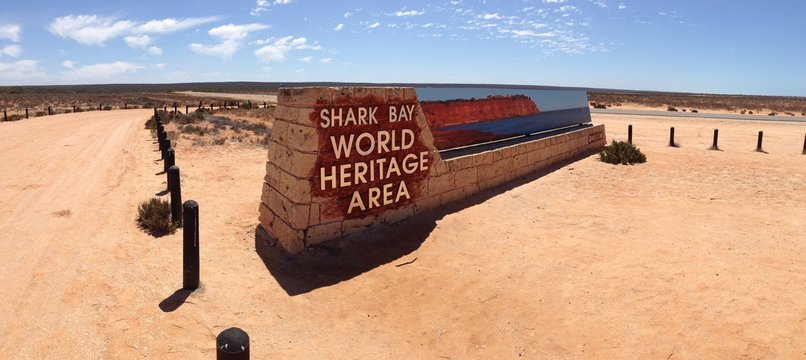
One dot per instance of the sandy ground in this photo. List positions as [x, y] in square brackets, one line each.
[256, 98]
[640, 107]
[697, 254]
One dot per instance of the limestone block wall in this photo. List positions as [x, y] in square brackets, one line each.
[311, 195]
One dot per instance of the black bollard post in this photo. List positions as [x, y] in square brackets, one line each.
[165, 108]
[5, 115]
[264, 104]
[50, 110]
[166, 144]
[74, 108]
[715, 146]
[238, 104]
[100, 107]
[232, 344]
[170, 160]
[200, 105]
[175, 189]
[190, 253]
[186, 109]
[629, 134]
[175, 109]
[760, 138]
[125, 106]
[671, 137]
[26, 113]
[804, 145]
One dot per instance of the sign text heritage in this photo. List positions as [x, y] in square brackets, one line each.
[371, 156]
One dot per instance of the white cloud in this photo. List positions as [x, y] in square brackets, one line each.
[21, 70]
[10, 32]
[493, 16]
[11, 50]
[102, 71]
[170, 25]
[339, 27]
[325, 60]
[69, 64]
[235, 32]
[263, 5]
[622, 6]
[348, 14]
[374, 25]
[600, 3]
[306, 59]
[160, 66]
[231, 36]
[404, 12]
[155, 50]
[89, 29]
[138, 42]
[527, 33]
[276, 50]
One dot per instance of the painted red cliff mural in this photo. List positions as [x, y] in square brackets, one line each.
[464, 111]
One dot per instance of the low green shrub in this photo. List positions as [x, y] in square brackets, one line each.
[193, 129]
[154, 216]
[620, 152]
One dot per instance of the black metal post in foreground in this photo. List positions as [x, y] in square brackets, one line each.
[176, 192]
[629, 134]
[186, 109]
[50, 110]
[190, 249]
[715, 146]
[26, 113]
[232, 344]
[760, 138]
[804, 145]
[671, 137]
[100, 107]
[5, 115]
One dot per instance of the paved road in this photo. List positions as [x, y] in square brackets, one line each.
[701, 115]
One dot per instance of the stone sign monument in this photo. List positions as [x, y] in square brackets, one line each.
[342, 159]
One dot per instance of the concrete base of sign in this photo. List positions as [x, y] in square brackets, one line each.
[296, 211]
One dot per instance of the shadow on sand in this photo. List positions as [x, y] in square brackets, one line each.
[174, 301]
[343, 259]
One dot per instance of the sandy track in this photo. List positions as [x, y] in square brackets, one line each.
[256, 98]
[696, 254]
[62, 193]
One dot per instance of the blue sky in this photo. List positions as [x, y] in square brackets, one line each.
[739, 47]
